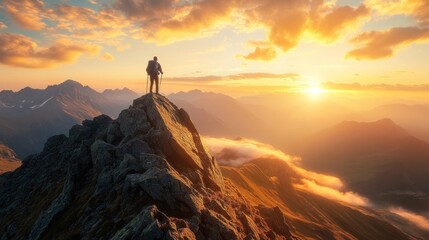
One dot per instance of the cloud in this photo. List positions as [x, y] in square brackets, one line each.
[376, 87]
[261, 53]
[2, 25]
[105, 26]
[376, 45]
[165, 21]
[419, 9]
[331, 193]
[330, 26]
[418, 220]
[286, 25]
[235, 152]
[289, 21]
[27, 13]
[108, 57]
[235, 77]
[86, 23]
[21, 51]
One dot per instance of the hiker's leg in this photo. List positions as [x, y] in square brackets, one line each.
[151, 83]
[157, 83]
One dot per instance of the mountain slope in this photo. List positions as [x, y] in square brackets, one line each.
[8, 159]
[264, 183]
[147, 175]
[378, 159]
[30, 116]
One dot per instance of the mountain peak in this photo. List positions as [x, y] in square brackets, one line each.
[70, 83]
[175, 136]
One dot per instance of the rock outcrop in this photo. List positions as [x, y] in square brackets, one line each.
[145, 175]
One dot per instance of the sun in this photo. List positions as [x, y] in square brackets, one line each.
[313, 89]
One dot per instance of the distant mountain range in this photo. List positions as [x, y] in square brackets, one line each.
[414, 118]
[28, 117]
[377, 159]
[217, 114]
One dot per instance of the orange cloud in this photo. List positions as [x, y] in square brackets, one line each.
[87, 23]
[376, 45]
[330, 26]
[235, 77]
[175, 20]
[27, 13]
[20, 51]
[262, 53]
[419, 9]
[287, 23]
[375, 87]
[418, 220]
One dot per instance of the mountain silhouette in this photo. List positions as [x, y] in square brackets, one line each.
[28, 117]
[378, 159]
[147, 175]
[414, 118]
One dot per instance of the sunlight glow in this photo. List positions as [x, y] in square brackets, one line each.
[313, 88]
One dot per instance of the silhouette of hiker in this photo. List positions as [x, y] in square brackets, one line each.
[153, 69]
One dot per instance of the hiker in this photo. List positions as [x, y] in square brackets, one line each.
[153, 69]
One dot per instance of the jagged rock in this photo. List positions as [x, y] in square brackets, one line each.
[54, 142]
[134, 147]
[78, 133]
[102, 153]
[167, 186]
[133, 121]
[276, 220]
[114, 134]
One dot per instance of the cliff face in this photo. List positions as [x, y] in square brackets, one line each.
[147, 175]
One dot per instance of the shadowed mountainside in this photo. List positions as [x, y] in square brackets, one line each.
[148, 175]
[377, 159]
[28, 117]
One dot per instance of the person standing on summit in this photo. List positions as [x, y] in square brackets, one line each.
[153, 69]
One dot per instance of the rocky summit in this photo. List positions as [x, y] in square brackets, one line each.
[145, 175]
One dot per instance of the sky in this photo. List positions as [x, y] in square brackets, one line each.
[233, 46]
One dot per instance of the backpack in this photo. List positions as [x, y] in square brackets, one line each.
[152, 68]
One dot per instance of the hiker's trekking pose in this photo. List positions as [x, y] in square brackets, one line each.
[153, 69]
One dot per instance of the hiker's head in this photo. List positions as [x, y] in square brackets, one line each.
[155, 58]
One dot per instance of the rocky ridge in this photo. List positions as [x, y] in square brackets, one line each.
[145, 175]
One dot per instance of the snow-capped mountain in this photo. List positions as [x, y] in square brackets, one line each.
[28, 117]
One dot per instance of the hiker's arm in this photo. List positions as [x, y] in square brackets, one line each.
[160, 68]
